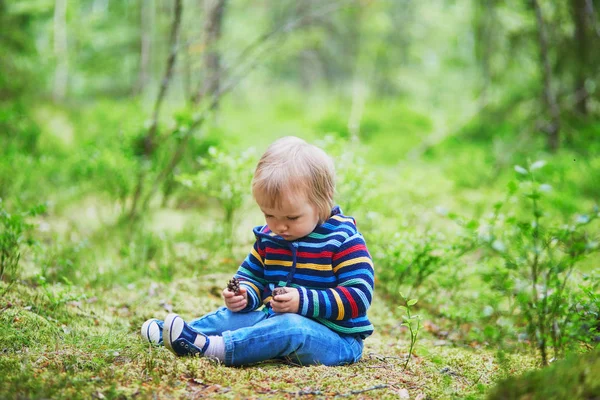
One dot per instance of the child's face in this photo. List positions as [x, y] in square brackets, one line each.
[295, 218]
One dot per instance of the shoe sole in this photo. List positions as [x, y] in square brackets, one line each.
[171, 330]
[150, 329]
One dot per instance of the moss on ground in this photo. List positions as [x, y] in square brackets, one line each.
[24, 330]
[90, 348]
[576, 377]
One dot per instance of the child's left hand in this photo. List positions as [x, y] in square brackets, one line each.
[286, 303]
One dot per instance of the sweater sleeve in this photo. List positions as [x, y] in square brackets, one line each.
[353, 268]
[251, 276]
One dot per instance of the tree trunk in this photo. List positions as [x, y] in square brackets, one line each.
[589, 7]
[484, 31]
[308, 59]
[214, 10]
[360, 86]
[61, 74]
[149, 141]
[147, 22]
[553, 129]
[581, 46]
[186, 68]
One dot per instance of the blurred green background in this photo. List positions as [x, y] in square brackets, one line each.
[465, 134]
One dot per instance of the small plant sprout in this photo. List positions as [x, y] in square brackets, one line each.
[412, 322]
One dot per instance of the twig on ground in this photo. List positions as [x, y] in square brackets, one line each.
[328, 394]
[366, 390]
[478, 379]
[383, 358]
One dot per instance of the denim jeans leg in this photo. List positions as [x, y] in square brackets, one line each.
[217, 322]
[301, 339]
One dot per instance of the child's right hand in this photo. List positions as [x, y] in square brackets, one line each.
[235, 302]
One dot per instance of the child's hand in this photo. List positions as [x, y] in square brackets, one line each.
[235, 302]
[286, 303]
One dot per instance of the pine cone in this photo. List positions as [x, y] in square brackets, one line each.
[234, 285]
[279, 290]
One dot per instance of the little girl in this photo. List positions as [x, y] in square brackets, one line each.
[311, 252]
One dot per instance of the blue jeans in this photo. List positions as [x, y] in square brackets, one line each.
[255, 336]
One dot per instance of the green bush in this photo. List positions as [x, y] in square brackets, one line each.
[15, 233]
[531, 260]
[18, 132]
[18, 146]
[63, 260]
[224, 177]
[410, 259]
[574, 378]
[356, 182]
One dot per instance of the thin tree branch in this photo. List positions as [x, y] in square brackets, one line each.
[149, 139]
[214, 11]
[289, 27]
[164, 85]
[244, 70]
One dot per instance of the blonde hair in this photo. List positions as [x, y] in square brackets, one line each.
[291, 168]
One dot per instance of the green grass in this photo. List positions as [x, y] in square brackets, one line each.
[91, 348]
[75, 334]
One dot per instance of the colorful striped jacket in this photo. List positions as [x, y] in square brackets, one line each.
[331, 268]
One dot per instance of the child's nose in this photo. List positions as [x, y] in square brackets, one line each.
[281, 226]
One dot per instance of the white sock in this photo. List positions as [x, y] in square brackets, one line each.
[216, 346]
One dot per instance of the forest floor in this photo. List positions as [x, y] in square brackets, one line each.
[68, 342]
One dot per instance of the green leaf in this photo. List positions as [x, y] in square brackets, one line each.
[499, 246]
[512, 187]
[412, 302]
[472, 224]
[521, 170]
[537, 165]
[38, 209]
[510, 265]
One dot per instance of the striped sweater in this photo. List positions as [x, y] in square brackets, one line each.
[331, 268]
